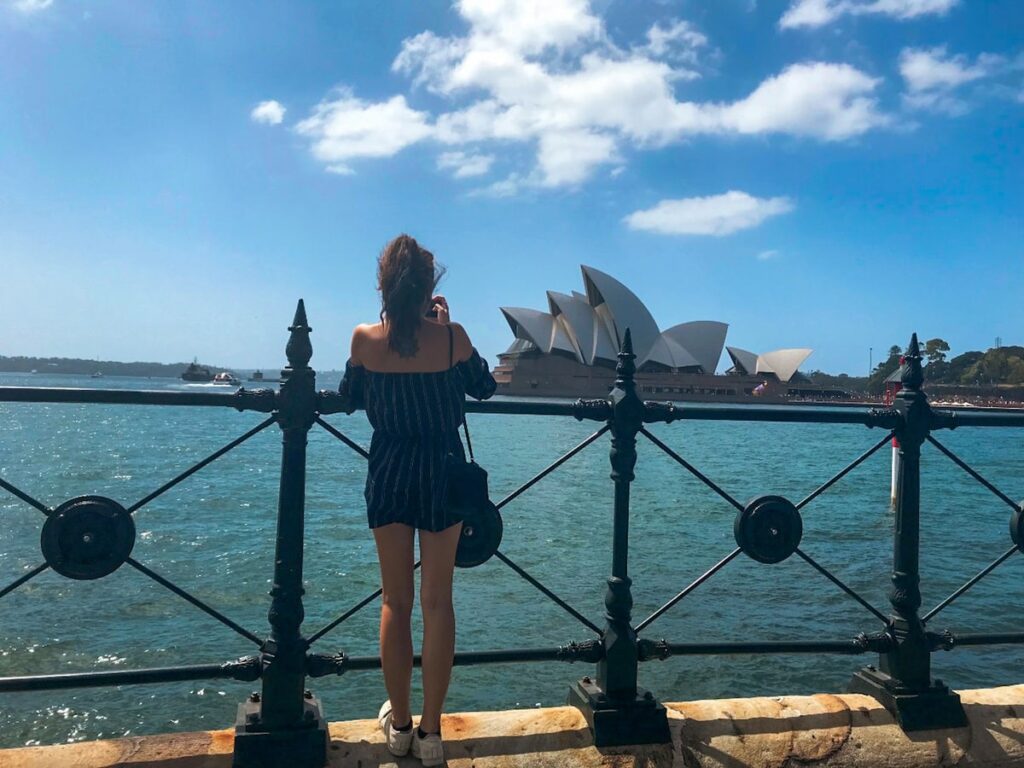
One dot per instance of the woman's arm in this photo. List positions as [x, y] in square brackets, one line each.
[475, 374]
[351, 386]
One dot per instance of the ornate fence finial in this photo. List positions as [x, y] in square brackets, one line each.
[913, 376]
[625, 368]
[299, 349]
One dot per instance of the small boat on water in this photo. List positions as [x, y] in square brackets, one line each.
[225, 377]
[196, 372]
[258, 376]
[97, 375]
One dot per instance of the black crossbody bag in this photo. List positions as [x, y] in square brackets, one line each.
[468, 500]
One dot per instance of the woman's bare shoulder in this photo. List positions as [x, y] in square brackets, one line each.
[365, 337]
[463, 347]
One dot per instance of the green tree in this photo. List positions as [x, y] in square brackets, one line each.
[876, 382]
[935, 350]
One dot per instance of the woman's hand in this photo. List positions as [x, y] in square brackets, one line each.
[439, 305]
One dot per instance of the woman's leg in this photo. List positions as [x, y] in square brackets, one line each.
[395, 551]
[437, 556]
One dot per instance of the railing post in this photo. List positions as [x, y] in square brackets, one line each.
[285, 726]
[902, 682]
[617, 710]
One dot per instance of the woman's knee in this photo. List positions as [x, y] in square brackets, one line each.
[398, 603]
[436, 600]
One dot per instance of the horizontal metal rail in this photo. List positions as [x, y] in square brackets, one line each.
[848, 647]
[115, 396]
[466, 658]
[989, 638]
[809, 413]
[235, 670]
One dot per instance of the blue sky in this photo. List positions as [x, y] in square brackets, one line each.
[825, 173]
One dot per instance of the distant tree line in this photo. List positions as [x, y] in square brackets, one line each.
[998, 365]
[82, 367]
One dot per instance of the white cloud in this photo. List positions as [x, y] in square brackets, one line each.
[463, 165]
[716, 215]
[268, 112]
[933, 77]
[767, 255]
[30, 6]
[545, 74]
[817, 13]
[932, 68]
[570, 157]
[678, 40]
[344, 128]
[826, 101]
[531, 26]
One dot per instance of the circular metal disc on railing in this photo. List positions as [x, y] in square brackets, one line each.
[769, 529]
[1017, 526]
[481, 536]
[87, 537]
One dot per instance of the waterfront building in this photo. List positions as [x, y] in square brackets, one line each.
[570, 351]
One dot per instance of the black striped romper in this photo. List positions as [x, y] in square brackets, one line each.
[416, 419]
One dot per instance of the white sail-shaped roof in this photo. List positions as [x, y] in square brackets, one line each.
[702, 339]
[532, 325]
[560, 340]
[622, 310]
[782, 362]
[668, 352]
[591, 326]
[578, 319]
[745, 361]
[519, 345]
[585, 328]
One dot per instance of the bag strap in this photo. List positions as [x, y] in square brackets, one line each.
[465, 426]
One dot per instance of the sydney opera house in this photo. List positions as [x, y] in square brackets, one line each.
[570, 351]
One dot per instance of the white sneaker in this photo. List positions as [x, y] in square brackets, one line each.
[398, 741]
[429, 749]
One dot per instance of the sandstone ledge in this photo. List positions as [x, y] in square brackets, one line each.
[846, 730]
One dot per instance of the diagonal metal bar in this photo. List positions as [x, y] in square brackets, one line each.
[343, 437]
[825, 572]
[980, 575]
[970, 471]
[196, 467]
[521, 489]
[24, 497]
[23, 578]
[552, 467]
[845, 471]
[690, 588]
[350, 612]
[555, 598]
[194, 600]
[692, 469]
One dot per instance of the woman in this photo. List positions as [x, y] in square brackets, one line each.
[411, 371]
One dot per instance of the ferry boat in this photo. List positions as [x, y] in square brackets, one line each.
[225, 377]
[196, 372]
[258, 376]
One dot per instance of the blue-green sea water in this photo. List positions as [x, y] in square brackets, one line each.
[214, 535]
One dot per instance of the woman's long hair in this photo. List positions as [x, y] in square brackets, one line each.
[406, 278]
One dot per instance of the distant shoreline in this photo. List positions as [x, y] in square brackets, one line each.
[165, 371]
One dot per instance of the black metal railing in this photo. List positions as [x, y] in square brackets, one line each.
[89, 537]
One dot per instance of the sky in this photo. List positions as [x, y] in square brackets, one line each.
[833, 174]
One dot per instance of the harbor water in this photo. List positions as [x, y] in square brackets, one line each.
[214, 535]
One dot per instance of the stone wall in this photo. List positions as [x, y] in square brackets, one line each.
[826, 731]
